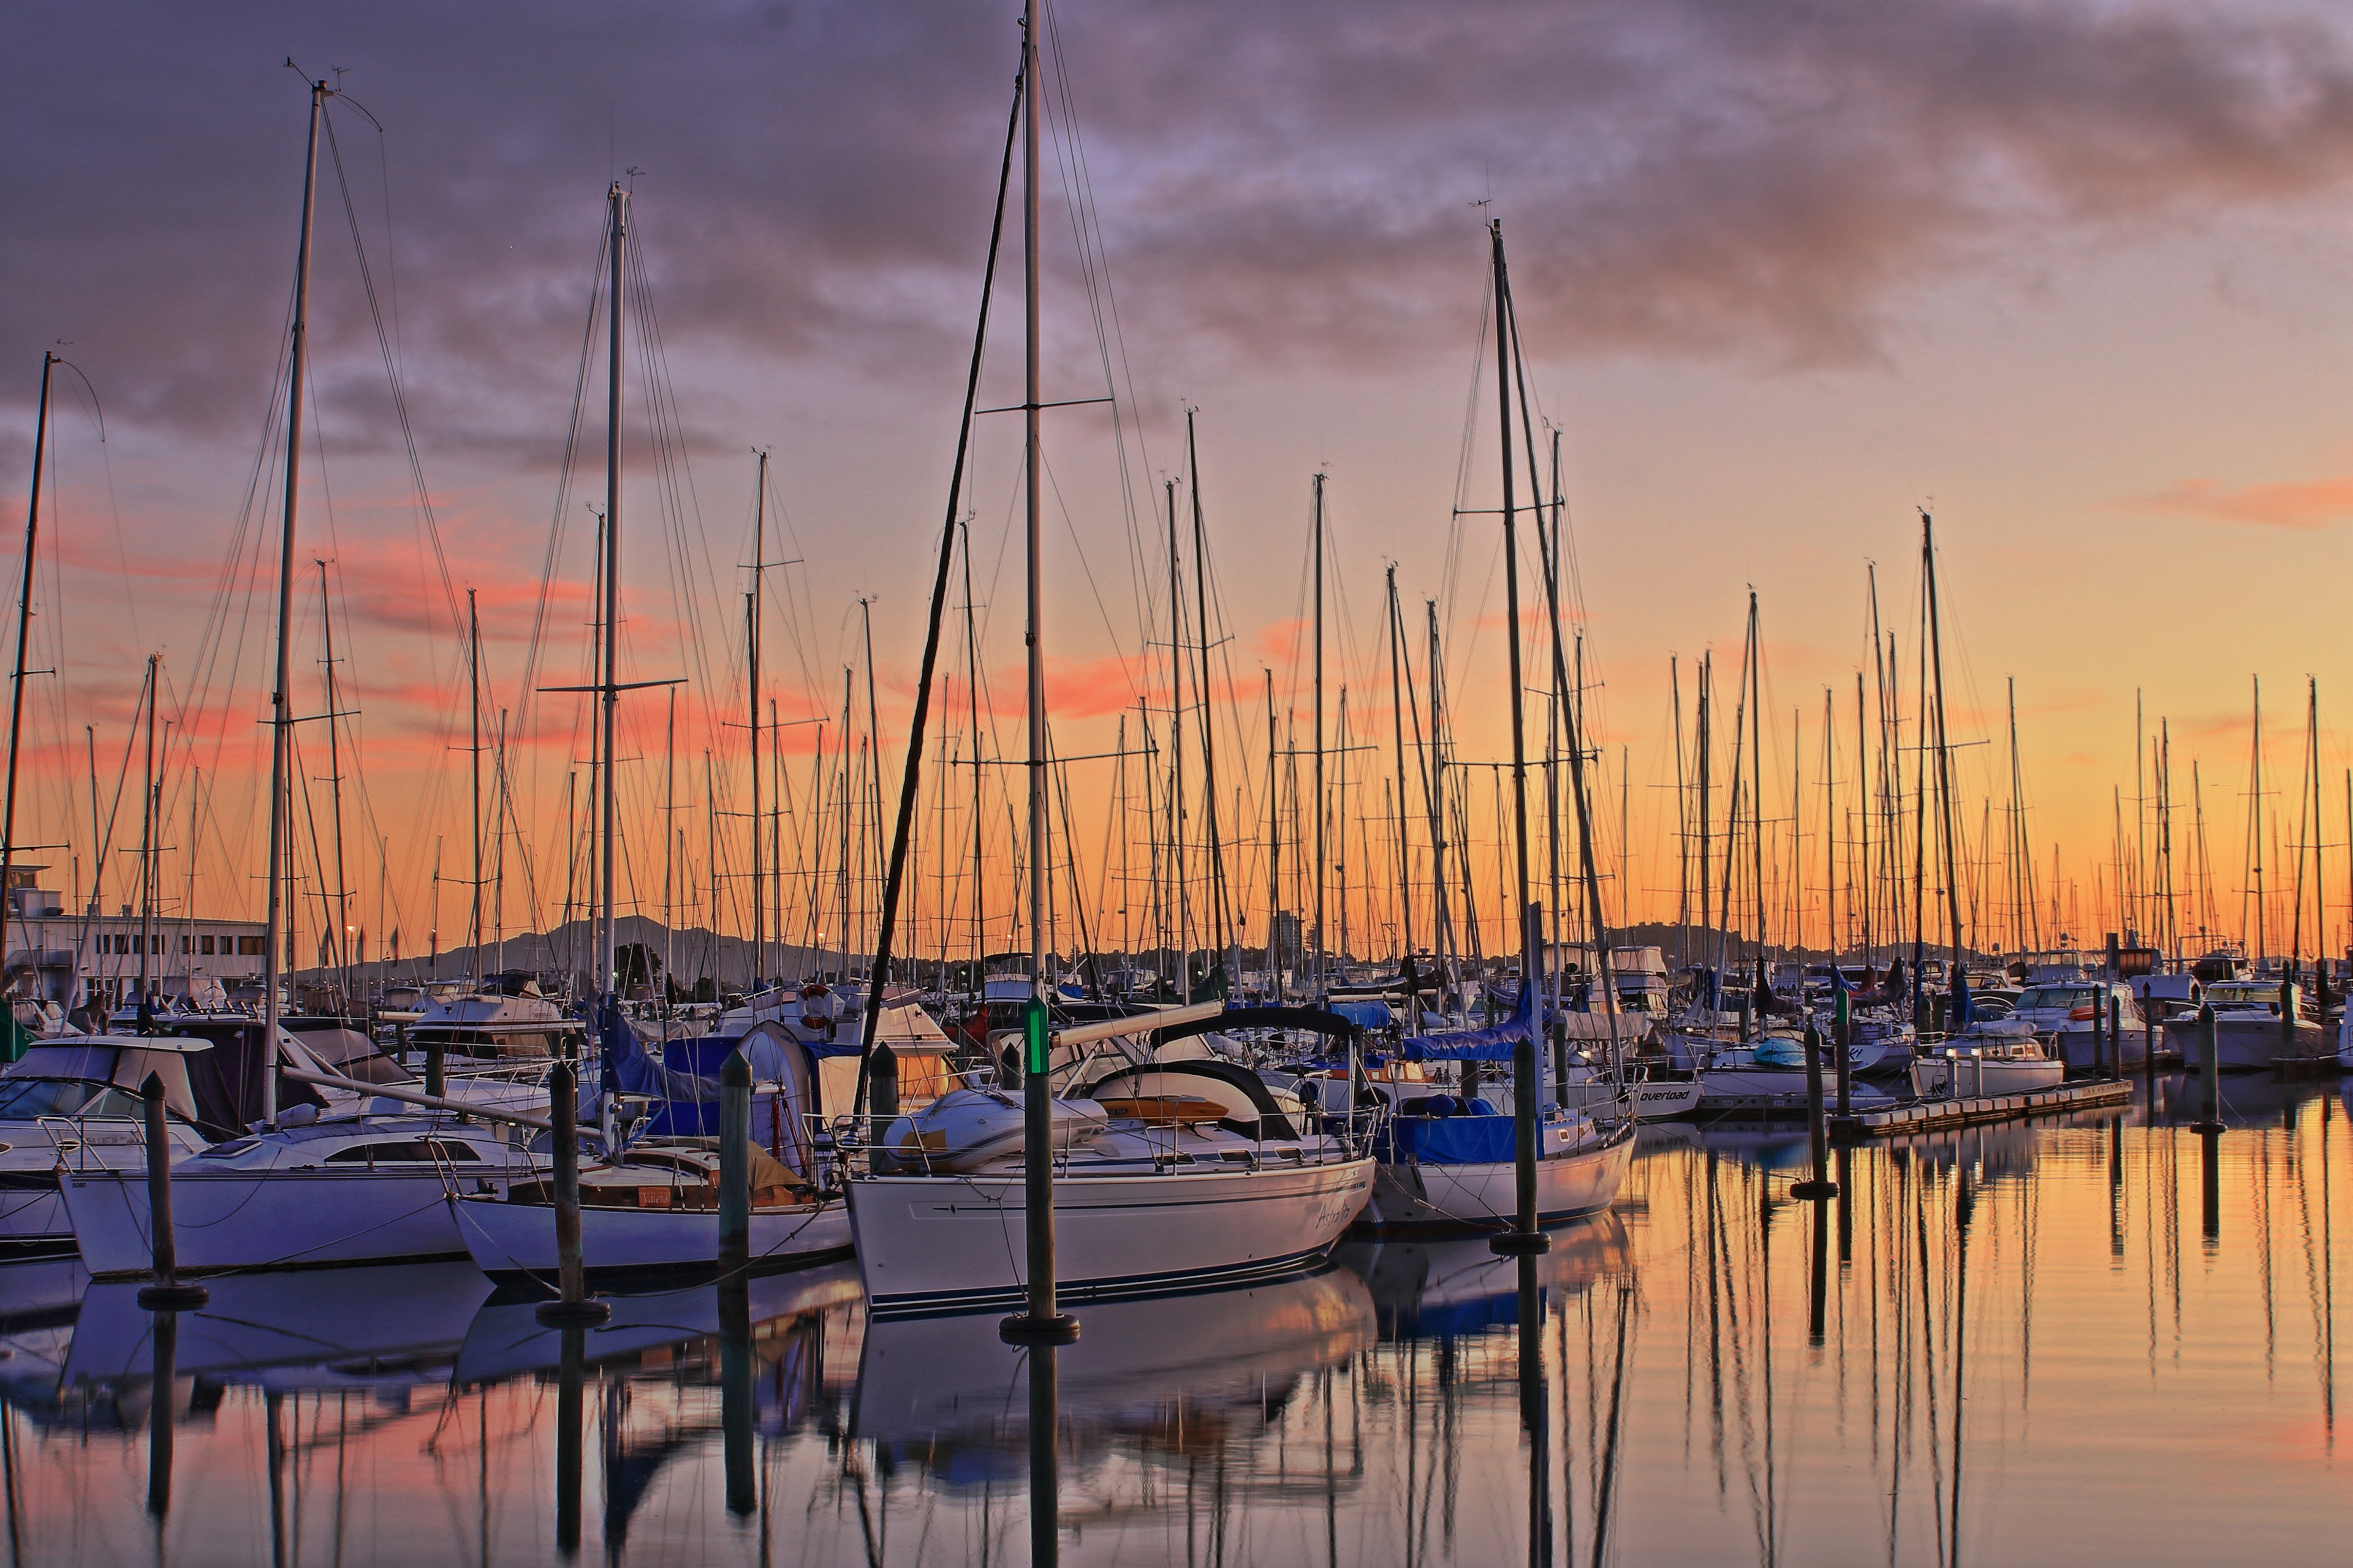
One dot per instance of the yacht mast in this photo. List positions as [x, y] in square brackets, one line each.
[24, 631]
[1944, 743]
[474, 756]
[610, 693]
[1526, 1091]
[341, 928]
[1176, 755]
[1319, 981]
[281, 718]
[751, 662]
[1396, 727]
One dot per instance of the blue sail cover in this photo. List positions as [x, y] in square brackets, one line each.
[685, 1076]
[1483, 1137]
[1491, 1043]
[1373, 1014]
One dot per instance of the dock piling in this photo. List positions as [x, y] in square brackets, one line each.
[575, 1308]
[2209, 1073]
[166, 1294]
[1817, 1127]
[734, 1166]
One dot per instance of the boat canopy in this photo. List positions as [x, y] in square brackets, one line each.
[1494, 1043]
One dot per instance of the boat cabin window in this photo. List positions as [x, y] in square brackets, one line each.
[26, 1099]
[2058, 997]
[407, 1150]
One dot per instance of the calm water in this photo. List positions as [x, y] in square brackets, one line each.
[2015, 1345]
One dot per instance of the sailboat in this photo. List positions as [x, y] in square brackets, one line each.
[1450, 1162]
[355, 1174]
[1147, 1195]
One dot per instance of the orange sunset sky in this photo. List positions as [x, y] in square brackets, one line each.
[2077, 277]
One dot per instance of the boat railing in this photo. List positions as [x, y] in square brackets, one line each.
[78, 1135]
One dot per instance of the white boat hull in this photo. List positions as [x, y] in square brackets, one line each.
[1753, 1083]
[1412, 1196]
[951, 1244]
[516, 1242]
[1662, 1100]
[1990, 1075]
[276, 1219]
[2077, 1047]
[2245, 1045]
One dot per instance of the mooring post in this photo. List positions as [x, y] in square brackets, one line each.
[437, 1060]
[2210, 1072]
[1043, 1322]
[575, 1307]
[159, 1414]
[1817, 1127]
[2148, 1032]
[2116, 1038]
[2099, 1015]
[2288, 1016]
[738, 1407]
[883, 1086]
[570, 1376]
[166, 1294]
[1842, 1041]
[734, 1166]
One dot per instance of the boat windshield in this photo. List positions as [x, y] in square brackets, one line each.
[2058, 997]
[29, 1099]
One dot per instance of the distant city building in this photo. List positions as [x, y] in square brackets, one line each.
[94, 959]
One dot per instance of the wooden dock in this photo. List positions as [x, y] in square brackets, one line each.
[1933, 1115]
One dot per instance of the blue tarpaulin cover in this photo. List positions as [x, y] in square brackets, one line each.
[1474, 1140]
[1365, 1014]
[1492, 1044]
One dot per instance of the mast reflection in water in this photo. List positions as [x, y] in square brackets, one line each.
[2015, 1344]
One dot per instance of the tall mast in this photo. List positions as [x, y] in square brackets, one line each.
[611, 693]
[1443, 949]
[1319, 736]
[1222, 923]
[669, 811]
[1177, 753]
[1944, 743]
[1703, 744]
[2255, 822]
[1862, 898]
[282, 717]
[1274, 847]
[147, 858]
[1525, 1088]
[1396, 727]
[1037, 1189]
[972, 703]
[339, 930]
[474, 754]
[23, 633]
[751, 662]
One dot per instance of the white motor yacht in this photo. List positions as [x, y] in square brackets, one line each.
[78, 1098]
[2248, 1037]
[504, 1018]
[2000, 1057]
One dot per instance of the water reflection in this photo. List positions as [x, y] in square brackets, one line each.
[2109, 1337]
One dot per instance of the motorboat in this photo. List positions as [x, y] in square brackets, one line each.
[506, 1017]
[351, 1188]
[1997, 1057]
[2072, 1016]
[76, 1099]
[2248, 1032]
[1774, 1065]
